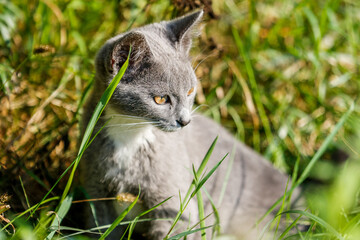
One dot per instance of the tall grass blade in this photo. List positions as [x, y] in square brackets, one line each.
[352, 224]
[183, 234]
[29, 211]
[95, 230]
[64, 208]
[120, 218]
[124, 234]
[314, 23]
[200, 202]
[207, 176]
[36, 178]
[206, 158]
[188, 197]
[317, 220]
[239, 124]
[23, 188]
[254, 87]
[217, 228]
[291, 226]
[94, 118]
[227, 175]
[325, 145]
[47, 194]
[315, 158]
[281, 208]
[133, 223]
[92, 207]
[154, 207]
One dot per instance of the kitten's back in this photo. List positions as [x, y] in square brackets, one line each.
[253, 184]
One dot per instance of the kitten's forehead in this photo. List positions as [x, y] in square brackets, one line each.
[157, 38]
[172, 71]
[173, 66]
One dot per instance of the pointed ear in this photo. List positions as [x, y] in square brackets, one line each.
[180, 29]
[120, 51]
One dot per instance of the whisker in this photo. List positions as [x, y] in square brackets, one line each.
[125, 131]
[133, 128]
[211, 55]
[129, 124]
[122, 116]
[197, 56]
[196, 116]
[197, 108]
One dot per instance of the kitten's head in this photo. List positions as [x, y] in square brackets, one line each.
[159, 83]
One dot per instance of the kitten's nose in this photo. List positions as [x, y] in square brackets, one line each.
[183, 122]
[184, 118]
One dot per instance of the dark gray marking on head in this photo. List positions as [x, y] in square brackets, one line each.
[139, 51]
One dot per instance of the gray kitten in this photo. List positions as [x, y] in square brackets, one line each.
[152, 140]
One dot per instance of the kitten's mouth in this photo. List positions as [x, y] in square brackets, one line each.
[166, 127]
[169, 128]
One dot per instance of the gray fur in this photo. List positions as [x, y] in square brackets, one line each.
[149, 145]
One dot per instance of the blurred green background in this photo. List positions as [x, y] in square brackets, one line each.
[279, 74]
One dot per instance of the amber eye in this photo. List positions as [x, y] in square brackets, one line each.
[190, 91]
[161, 99]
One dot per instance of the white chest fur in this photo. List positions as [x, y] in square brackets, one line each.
[128, 134]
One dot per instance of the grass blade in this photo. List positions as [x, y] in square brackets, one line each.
[64, 208]
[206, 158]
[293, 224]
[120, 218]
[202, 166]
[47, 194]
[88, 132]
[315, 158]
[23, 188]
[154, 207]
[227, 175]
[187, 198]
[200, 202]
[204, 179]
[254, 87]
[29, 210]
[317, 220]
[325, 145]
[133, 223]
[94, 118]
[183, 234]
[95, 230]
[217, 227]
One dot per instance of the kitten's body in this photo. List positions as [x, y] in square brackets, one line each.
[145, 150]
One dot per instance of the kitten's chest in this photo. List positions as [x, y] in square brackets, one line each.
[131, 157]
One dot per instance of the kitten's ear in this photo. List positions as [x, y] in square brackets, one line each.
[180, 29]
[120, 51]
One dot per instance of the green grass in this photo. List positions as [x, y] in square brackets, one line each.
[283, 75]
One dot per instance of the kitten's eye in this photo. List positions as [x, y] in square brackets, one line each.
[190, 91]
[161, 99]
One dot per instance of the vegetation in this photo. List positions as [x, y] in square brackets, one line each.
[283, 75]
